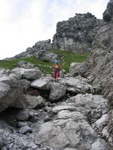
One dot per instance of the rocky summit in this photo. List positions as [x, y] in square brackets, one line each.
[75, 113]
[77, 33]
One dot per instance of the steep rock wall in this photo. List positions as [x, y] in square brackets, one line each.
[77, 33]
[99, 65]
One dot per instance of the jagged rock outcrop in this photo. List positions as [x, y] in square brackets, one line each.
[108, 14]
[98, 66]
[45, 55]
[77, 33]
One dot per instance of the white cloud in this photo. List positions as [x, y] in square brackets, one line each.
[24, 22]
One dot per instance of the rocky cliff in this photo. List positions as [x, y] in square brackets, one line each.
[77, 33]
[99, 65]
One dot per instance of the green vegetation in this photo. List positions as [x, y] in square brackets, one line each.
[65, 59]
[8, 64]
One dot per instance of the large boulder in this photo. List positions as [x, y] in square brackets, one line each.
[44, 44]
[76, 85]
[11, 92]
[74, 69]
[57, 92]
[42, 83]
[35, 101]
[30, 74]
[46, 56]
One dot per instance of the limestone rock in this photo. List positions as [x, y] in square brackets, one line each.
[23, 115]
[42, 83]
[11, 93]
[25, 129]
[76, 85]
[46, 56]
[108, 14]
[67, 131]
[57, 92]
[30, 74]
[35, 101]
[99, 63]
[77, 33]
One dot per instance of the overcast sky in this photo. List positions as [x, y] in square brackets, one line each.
[25, 22]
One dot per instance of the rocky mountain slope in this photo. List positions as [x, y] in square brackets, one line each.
[40, 114]
[75, 113]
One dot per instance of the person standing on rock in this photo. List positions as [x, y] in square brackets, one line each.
[56, 73]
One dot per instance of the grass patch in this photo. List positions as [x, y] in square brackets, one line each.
[8, 64]
[65, 59]
[44, 66]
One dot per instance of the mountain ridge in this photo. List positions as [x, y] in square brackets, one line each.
[74, 35]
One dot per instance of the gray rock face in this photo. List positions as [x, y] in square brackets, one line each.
[70, 128]
[77, 33]
[99, 144]
[26, 65]
[67, 130]
[76, 85]
[42, 83]
[30, 74]
[74, 67]
[92, 105]
[99, 63]
[57, 91]
[35, 101]
[108, 14]
[46, 56]
[43, 43]
[25, 129]
[11, 93]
